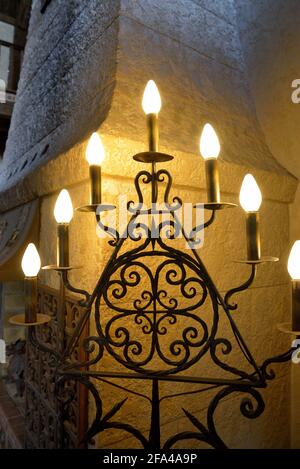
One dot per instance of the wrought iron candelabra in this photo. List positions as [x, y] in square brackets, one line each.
[155, 311]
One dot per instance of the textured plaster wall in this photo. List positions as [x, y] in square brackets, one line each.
[106, 52]
[270, 35]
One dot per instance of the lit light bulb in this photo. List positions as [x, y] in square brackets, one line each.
[151, 99]
[294, 261]
[31, 262]
[209, 143]
[95, 151]
[63, 210]
[250, 195]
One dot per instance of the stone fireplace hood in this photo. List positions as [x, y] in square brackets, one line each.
[85, 66]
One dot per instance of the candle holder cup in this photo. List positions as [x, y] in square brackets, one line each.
[20, 320]
[152, 157]
[96, 208]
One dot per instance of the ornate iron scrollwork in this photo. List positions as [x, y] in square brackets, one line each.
[156, 312]
[53, 412]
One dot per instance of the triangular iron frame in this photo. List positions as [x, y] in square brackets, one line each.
[177, 261]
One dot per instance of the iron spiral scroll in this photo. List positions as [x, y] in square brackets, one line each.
[158, 315]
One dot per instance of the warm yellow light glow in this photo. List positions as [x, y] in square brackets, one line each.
[250, 195]
[151, 99]
[31, 262]
[209, 143]
[294, 261]
[95, 151]
[63, 210]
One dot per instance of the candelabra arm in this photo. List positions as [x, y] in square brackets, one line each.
[69, 287]
[109, 230]
[210, 220]
[244, 286]
[284, 357]
[197, 229]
